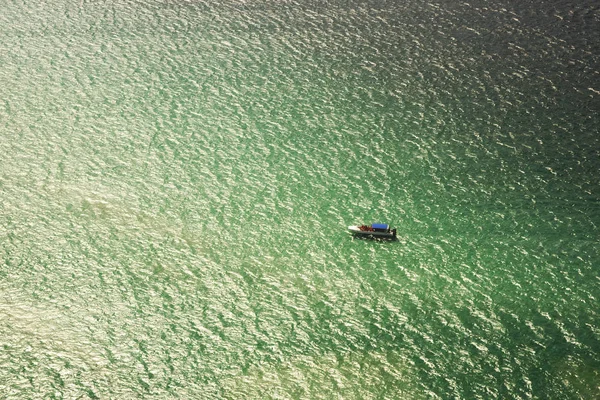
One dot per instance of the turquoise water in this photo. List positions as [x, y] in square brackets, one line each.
[177, 177]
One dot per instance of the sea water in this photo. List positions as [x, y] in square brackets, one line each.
[177, 177]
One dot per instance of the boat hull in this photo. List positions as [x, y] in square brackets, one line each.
[388, 234]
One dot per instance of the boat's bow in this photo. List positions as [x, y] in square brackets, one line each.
[354, 229]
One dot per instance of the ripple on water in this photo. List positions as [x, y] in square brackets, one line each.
[180, 177]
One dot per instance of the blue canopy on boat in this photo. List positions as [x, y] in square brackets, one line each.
[380, 226]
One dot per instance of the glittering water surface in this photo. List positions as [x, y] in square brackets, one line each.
[177, 177]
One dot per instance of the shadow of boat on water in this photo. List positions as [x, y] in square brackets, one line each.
[372, 238]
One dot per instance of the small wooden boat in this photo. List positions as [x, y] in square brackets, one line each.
[376, 230]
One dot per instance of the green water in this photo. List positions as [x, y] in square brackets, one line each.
[176, 180]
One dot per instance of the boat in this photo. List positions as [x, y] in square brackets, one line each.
[376, 230]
